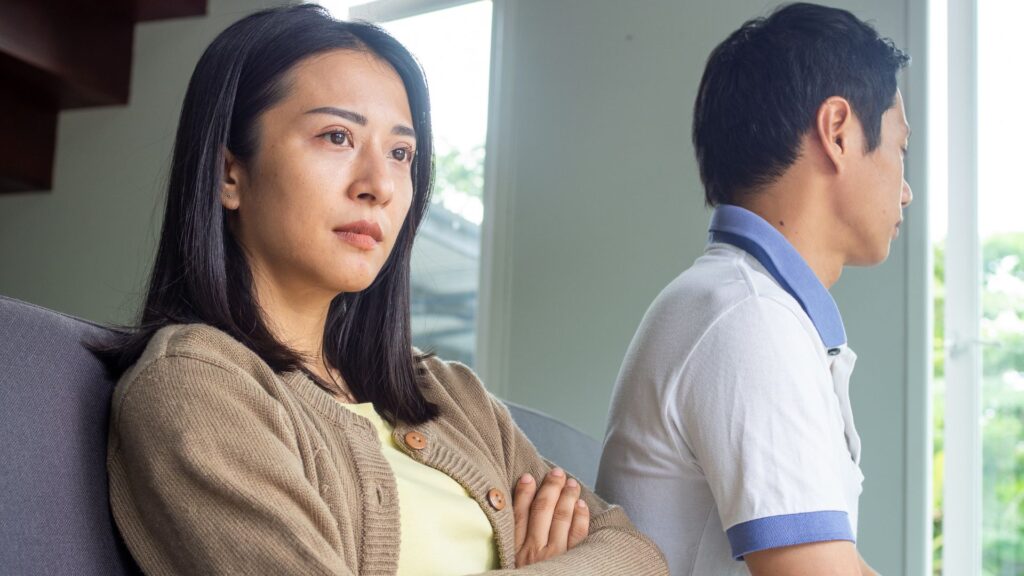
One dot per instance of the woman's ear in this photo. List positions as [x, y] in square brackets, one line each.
[834, 128]
[230, 190]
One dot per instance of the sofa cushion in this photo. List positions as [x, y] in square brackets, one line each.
[54, 403]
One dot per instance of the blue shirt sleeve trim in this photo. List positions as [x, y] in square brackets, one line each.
[788, 530]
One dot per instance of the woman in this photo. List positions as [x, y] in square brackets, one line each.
[271, 414]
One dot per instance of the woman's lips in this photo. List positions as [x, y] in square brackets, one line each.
[362, 234]
[361, 241]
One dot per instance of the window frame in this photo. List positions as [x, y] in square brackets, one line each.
[388, 10]
[918, 298]
[962, 477]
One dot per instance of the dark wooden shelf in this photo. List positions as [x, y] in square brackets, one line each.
[63, 54]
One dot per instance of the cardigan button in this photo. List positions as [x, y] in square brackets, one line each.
[496, 499]
[415, 441]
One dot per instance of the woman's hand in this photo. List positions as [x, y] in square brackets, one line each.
[548, 520]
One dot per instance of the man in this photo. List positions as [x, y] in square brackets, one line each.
[731, 439]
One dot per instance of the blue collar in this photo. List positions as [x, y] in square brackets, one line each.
[751, 233]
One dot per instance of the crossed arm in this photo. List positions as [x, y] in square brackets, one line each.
[190, 498]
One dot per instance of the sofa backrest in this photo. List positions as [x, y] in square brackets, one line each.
[54, 402]
[572, 449]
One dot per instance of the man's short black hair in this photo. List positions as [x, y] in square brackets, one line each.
[763, 86]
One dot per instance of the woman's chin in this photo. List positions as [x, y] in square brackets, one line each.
[352, 274]
[352, 283]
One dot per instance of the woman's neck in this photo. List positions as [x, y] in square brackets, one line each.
[296, 318]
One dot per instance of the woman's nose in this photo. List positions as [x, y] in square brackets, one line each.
[372, 183]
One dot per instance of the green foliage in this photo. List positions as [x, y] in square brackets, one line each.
[460, 171]
[1002, 327]
[938, 312]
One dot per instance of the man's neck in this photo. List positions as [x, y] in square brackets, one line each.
[799, 213]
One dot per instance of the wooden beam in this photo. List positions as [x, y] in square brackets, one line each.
[61, 54]
[27, 144]
[83, 56]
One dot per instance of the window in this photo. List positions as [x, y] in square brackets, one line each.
[452, 41]
[978, 240]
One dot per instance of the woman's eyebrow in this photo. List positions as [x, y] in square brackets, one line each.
[401, 130]
[347, 114]
[398, 130]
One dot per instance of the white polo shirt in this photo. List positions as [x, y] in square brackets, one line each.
[730, 428]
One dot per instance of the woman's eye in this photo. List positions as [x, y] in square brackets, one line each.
[338, 138]
[401, 154]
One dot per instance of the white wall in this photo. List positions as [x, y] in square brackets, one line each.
[599, 204]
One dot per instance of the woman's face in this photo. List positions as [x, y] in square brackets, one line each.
[320, 204]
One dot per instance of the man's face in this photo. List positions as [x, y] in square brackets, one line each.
[871, 208]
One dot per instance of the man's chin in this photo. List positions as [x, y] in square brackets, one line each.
[870, 259]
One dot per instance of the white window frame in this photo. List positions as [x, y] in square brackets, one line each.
[962, 520]
[388, 10]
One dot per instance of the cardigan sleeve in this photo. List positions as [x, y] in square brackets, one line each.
[613, 546]
[206, 477]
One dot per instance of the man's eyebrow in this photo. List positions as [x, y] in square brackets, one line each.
[346, 114]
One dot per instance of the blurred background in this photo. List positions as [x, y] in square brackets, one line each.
[567, 196]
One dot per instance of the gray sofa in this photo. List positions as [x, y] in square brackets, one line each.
[54, 403]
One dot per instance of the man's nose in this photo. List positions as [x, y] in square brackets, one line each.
[908, 195]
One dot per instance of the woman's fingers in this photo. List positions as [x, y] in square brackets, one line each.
[543, 508]
[580, 524]
[549, 516]
[526, 488]
[561, 518]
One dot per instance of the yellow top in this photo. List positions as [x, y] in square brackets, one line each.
[444, 531]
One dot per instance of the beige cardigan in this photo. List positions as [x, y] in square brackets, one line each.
[220, 466]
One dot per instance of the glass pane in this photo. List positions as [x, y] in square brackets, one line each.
[454, 48]
[1001, 225]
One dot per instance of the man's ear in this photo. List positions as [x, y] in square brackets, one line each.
[834, 128]
[233, 175]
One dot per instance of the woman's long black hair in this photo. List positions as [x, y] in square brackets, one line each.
[201, 275]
